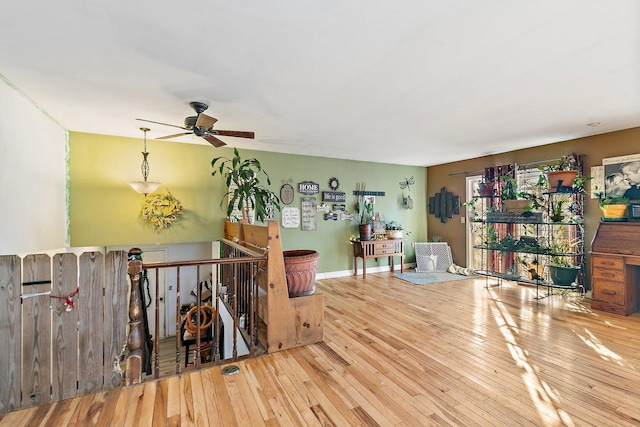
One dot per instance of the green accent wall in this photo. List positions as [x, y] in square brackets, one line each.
[104, 208]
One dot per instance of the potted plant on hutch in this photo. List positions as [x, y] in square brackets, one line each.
[614, 208]
[394, 230]
[246, 191]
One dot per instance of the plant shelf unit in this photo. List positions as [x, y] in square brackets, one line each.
[522, 247]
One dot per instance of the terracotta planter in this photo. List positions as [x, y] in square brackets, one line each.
[561, 180]
[300, 269]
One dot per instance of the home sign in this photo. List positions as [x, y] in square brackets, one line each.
[308, 187]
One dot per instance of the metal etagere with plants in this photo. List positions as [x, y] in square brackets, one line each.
[529, 227]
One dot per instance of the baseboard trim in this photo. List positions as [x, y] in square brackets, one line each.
[344, 273]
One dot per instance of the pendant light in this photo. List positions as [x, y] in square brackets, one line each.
[145, 187]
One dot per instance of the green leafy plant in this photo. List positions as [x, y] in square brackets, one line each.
[567, 162]
[393, 225]
[608, 200]
[249, 193]
[580, 182]
[364, 209]
[508, 187]
[561, 250]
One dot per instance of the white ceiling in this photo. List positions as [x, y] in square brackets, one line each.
[419, 82]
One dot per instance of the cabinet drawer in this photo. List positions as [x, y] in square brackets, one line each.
[608, 274]
[612, 292]
[606, 262]
[383, 248]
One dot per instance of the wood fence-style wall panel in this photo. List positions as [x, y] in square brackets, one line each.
[90, 370]
[10, 333]
[36, 330]
[64, 326]
[116, 316]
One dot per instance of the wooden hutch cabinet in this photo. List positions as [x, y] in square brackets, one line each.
[615, 267]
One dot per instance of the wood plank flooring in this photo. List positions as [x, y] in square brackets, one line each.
[396, 354]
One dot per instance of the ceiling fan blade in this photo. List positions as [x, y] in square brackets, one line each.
[205, 121]
[174, 135]
[236, 133]
[164, 124]
[214, 141]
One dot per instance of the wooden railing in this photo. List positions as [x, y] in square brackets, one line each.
[63, 319]
[235, 292]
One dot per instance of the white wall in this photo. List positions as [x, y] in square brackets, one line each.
[33, 212]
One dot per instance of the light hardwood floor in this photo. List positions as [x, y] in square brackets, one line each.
[396, 354]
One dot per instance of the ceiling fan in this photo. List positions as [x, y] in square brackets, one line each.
[202, 125]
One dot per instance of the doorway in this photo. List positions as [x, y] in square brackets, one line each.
[474, 256]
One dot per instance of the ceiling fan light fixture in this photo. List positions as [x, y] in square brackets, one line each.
[145, 187]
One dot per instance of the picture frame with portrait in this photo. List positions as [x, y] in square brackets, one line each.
[622, 177]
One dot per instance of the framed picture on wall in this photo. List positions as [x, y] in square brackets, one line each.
[622, 176]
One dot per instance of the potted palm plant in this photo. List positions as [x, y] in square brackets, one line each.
[246, 191]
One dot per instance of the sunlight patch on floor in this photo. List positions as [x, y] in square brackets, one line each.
[594, 343]
[546, 402]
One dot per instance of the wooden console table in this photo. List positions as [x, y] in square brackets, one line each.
[366, 249]
[615, 267]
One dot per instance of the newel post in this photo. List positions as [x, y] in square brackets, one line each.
[133, 374]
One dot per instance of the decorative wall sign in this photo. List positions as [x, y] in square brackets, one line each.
[340, 208]
[308, 187]
[271, 212]
[290, 217]
[347, 217]
[368, 193]
[334, 196]
[332, 215]
[309, 214]
[236, 214]
[379, 227]
[442, 205]
[334, 184]
[286, 194]
[323, 208]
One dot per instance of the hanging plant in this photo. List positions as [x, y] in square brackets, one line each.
[161, 210]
